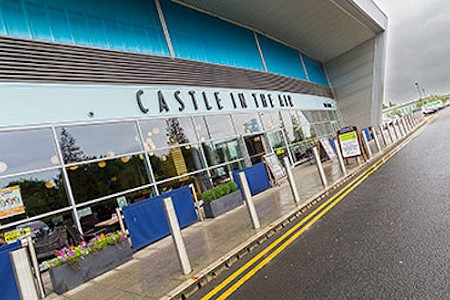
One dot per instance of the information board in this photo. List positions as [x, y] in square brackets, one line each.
[11, 202]
[349, 142]
[326, 146]
[276, 169]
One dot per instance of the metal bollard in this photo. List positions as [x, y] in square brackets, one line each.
[395, 131]
[340, 159]
[23, 274]
[291, 179]
[197, 204]
[380, 128]
[35, 263]
[120, 218]
[391, 136]
[366, 143]
[320, 167]
[176, 235]
[249, 201]
[375, 137]
[405, 125]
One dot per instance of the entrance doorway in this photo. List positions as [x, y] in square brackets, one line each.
[255, 147]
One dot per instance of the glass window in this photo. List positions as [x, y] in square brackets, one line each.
[292, 127]
[221, 152]
[269, 120]
[162, 133]
[95, 180]
[26, 150]
[301, 152]
[200, 180]
[247, 123]
[222, 174]
[176, 161]
[201, 128]
[39, 228]
[79, 143]
[332, 115]
[219, 126]
[102, 215]
[40, 193]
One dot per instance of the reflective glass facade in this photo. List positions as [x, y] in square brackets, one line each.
[79, 170]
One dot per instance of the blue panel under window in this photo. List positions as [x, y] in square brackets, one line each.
[315, 70]
[201, 37]
[281, 59]
[14, 18]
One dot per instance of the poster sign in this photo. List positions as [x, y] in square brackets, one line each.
[14, 235]
[326, 146]
[349, 142]
[11, 202]
[275, 166]
[122, 201]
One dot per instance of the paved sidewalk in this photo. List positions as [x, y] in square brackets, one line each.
[154, 271]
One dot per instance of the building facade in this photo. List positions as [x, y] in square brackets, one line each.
[112, 101]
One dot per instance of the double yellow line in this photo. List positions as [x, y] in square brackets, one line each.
[294, 233]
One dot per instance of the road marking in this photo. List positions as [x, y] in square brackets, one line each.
[344, 192]
[277, 251]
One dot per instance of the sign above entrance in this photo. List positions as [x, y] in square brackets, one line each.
[195, 100]
[67, 103]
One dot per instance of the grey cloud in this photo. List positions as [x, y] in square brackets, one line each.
[418, 47]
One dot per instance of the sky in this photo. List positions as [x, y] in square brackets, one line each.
[418, 48]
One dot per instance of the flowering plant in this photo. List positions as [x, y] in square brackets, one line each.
[73, 254]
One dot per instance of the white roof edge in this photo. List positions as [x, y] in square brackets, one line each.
[365, 11]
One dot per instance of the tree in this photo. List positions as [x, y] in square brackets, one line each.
[70, 151]
[175, 132]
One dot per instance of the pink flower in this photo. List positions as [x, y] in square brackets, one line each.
[122, 238]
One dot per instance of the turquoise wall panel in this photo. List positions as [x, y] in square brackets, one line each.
[204, 38]
[315, 71]
[281, 59]
[131, 25]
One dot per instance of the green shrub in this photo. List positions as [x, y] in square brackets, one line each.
[219, 191]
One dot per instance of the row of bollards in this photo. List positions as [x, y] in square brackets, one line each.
[398, 129]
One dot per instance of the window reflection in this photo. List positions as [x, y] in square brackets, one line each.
[200, 181]
[221, 152]
[163, 133]
[270, 120]
[95, 180]
[292, 127]
[26, 150]
[222, 174]
[87, 142]
[247, 123]
[219, 126]
[40, 193]
[175, 161]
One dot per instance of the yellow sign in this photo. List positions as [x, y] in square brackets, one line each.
[11, 202]
[14, 235]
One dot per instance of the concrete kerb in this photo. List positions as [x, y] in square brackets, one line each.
[192, 285]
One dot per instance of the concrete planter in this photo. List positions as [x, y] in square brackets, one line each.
[65, 278]
[222, 205]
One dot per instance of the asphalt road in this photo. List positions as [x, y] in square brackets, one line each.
[388, 239]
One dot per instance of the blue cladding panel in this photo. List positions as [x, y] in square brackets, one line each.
[8, 281]
[14, 18]
[146, 220]
[315, 71]
[204, 38]
[281, 59]
[131, 25]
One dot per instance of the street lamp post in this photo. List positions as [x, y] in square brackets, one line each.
[418, 88]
